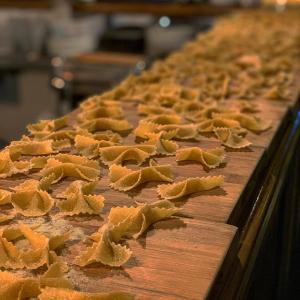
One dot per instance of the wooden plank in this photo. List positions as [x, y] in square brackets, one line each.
[178, 259]
[27, 4]
[160, 9]
[169, 9]
[107, 58]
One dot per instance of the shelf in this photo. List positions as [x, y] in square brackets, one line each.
[32, 4]
[175, 10]
[159, 9]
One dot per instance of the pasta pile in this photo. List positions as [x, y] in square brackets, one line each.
[209, 89]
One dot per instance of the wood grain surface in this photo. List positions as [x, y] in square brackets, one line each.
[177, 259]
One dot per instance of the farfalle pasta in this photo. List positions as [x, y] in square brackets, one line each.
[144, 128]
[132, 222]
[29, 147]
[9, 167]
[164, 119]
[65, 134]
[163, 146]
[210, 124]
[209, 158]
[231, 139]
[113, 112]
[178, 131]
[15, 287]
[59, 294]
[248, 106]
[249, 122]
[5, 197]
[41, 161]
[51, 285]
[63, 165]
[107, 136]
[124, 179]
[101, 124]
[188, 108]
[61, 145]
[207, 112]
[97, 101]
[80, 200]
[5, 218]
[105, 250]
[119, 154]
[189, 186]
[54, 276]
[123, 222]
[11, 257]
[48, 125]
[30, 200]
[149, 110]
[89, 147]
[182, 132]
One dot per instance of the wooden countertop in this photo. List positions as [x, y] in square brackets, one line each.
[179, 258]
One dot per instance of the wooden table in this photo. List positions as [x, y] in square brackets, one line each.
[180, 258]
[211, 251]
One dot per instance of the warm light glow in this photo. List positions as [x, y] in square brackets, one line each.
[281, 3]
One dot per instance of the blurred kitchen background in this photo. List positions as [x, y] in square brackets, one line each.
[54, 54]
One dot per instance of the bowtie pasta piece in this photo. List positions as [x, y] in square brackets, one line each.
[5, 197]
[89, 146]
[210, 124]
[163, 146]
[29, 147]
[48, 125]
[190, 108]
[105, 251]
[124, 179]
[63, 165]
[183, 132]
[179, 131]
[41, 161]
[9, 167]
[15, 287]
[101, 112]
[149, 110]
[67, 294]
[165, 119]
[132, 222]
[124, 222]
[97, 101]
[101, 124]
[54, 276]
[248, 107]
[119, 154]
[11, 257]
[66, 134]
[6, 218]
[209, 158]
[231, 139]
[144, 128]
[246, 121]
[30, 200]
[189, 186]
[79, 199]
